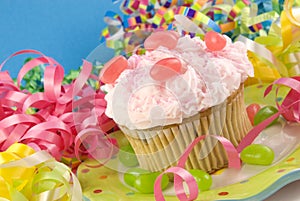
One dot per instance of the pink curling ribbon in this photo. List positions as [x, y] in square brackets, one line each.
[65, 120]
[180, 174]
[289, 109]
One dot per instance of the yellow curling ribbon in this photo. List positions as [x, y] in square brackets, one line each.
[288, 6]
[264, 62]
[279, 54]
[262, 71]
[284, 41]
[266, 66]
[15, 177]
[286, 30]
[28, 175]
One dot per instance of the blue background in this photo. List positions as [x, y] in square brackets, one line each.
[67, 30]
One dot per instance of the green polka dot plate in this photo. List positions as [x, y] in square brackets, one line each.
[251, 182]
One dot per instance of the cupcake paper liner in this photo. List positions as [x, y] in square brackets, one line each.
[160, 147]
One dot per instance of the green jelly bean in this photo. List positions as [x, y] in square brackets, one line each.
[131, 175]
[127, 156]
[265, 113]
[144, 183]
[257, 154]
[203, 179]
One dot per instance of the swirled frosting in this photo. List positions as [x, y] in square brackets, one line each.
[137, 101]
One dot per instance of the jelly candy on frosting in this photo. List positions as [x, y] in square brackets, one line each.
[214, 41]
[165, 69]
[203, 79]
[113, 69]
[166, 39]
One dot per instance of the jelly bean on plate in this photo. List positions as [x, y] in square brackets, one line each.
[265, 113]
[144, 183]
[132, 174]
[252, 109]
[143, 180]
[127, 156]
[202, 178]
[257, 154]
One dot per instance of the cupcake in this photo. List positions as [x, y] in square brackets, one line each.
[181, 88]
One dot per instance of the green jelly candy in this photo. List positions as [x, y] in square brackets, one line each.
[131, 175]
[202, 178]
[265, 113]
[145, 182]
[257, 154]
[127, 156]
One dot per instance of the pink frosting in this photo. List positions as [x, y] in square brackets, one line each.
[139, 102]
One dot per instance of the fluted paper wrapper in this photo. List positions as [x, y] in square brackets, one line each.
[160, 147]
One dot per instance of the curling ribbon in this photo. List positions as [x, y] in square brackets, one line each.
[28, 175]
[288, 6]
[53, 119]
[289, 109]
[181, 175]
[252, 19]
[284, 41]
[267, 68]
[231, 17]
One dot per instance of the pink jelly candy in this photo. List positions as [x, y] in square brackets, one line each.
[214, 41]
[112, 69]
[175, 34]
[166, 39]
[165, 69]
